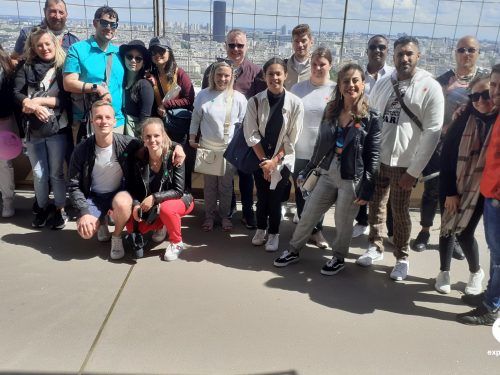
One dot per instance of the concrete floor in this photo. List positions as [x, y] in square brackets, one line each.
[223, 308]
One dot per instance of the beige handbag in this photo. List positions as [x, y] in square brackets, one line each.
[209, 156]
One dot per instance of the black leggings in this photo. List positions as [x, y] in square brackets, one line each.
[465, 239]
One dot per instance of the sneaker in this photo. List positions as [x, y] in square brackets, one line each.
[475, 286]
[421, 242]
[371, 255]
[359, 230]
[273, 242]
[283, 212]
[103, 234]
[60, 219]
[249, 221]
[117, 250]
[333, 266]
[35, 208]
[318, 240]
[296, 218]
[286, 258]
[442, 284]
[8, 208]
[400, 270]
[473, 300]
[480, 316]
[40, 218]
[172, 251]
[259, 237]
[159, 235]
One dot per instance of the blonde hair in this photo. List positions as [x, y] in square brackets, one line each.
[167, 142]
[213, 71]
[35, 35]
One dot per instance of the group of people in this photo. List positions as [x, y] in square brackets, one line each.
[139, 132]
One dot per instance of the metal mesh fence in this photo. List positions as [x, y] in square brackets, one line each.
[342, 25]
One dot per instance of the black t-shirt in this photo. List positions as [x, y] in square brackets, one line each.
[141, 106]
[274, 123]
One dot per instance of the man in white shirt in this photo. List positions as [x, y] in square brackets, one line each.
[412, 104]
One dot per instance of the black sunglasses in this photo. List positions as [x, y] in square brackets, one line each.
[227, 61]
[469, 50]
[157, 51]
[374, 47]
[106, 24]
[234, 45]
[136, 58]
[475, 97]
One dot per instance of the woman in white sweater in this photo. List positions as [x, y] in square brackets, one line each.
[209, 118]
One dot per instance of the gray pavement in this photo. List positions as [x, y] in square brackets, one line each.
[223, 308]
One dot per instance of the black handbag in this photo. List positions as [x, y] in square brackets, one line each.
[151, 215]
[177, 123]
[239, 154]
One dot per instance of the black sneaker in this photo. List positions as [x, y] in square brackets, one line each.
[60, 219]
[420, 243]
[333, 266]
[458, 253]
[480, 316]
[40, 218]
[286, 258]
[473, 300]
[249, 221]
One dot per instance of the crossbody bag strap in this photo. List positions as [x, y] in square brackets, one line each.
[413, 117]
[227, 122]
[109, 64]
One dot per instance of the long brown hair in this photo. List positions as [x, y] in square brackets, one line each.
[6, 64]
[359, 108]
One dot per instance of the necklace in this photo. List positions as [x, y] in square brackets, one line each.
[465, 78]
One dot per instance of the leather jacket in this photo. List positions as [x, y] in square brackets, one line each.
[360, 156]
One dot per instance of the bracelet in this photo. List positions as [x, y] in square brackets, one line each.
[83, 87]
[263, 159]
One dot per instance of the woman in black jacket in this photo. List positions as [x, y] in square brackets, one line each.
[347, 152]
[157, 188]
[46, 108]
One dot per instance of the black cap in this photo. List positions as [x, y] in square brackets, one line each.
[160, 42]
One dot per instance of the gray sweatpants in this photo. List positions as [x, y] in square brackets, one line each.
[218, 188]
[330, 189]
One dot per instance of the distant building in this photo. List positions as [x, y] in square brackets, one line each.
[283, 30]
[219, 24]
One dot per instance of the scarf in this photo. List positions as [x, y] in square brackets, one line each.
[470, 165]
[38, 71]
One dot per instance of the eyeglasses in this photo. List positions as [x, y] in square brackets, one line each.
[158, 51]
[106, 24]
[477, 95]
[136, 58]
[374, 47]
[235, 45]
[227, 61]
[468, 50]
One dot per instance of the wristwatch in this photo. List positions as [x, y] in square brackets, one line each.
[94, 87]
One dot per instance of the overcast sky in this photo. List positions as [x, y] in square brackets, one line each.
[438, 18]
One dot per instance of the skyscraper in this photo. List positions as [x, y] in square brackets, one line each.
[219, 24]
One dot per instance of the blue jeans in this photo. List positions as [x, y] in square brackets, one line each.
[47, 160]
[491, 219]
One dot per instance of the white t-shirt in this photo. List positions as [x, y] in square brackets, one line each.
[314, 99]
[107, 174]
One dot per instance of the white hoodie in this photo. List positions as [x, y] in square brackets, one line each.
[404, 144]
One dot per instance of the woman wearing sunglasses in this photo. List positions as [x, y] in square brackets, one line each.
[462, 163]
[138, 92]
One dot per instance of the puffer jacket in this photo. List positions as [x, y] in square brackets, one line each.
[360, 156]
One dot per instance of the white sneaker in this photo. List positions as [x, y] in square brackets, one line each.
[442, 284]
[296, 218]
[259, 238]
[400, 270]
[117, 250]
[475, 284]
[172, 251]
[103, 234]
[159, 235]
[283, 212]
[359, 230]
[8, 208]
[319, 240]
[273, 242]
[371, 255]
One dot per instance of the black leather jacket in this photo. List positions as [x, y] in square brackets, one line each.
[172, 185]
[360, 157]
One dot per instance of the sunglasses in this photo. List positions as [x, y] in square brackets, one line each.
[469, 50]
[158, 51]
[106, 24]
[227, 61]
[477, 95]
[235, 45]
[136, 58]
[374, 47]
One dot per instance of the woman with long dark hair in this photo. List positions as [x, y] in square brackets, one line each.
[38, 90]
[347, 153]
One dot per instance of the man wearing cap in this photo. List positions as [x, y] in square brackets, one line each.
[249, 80]
[55, 15]
[87, 64]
